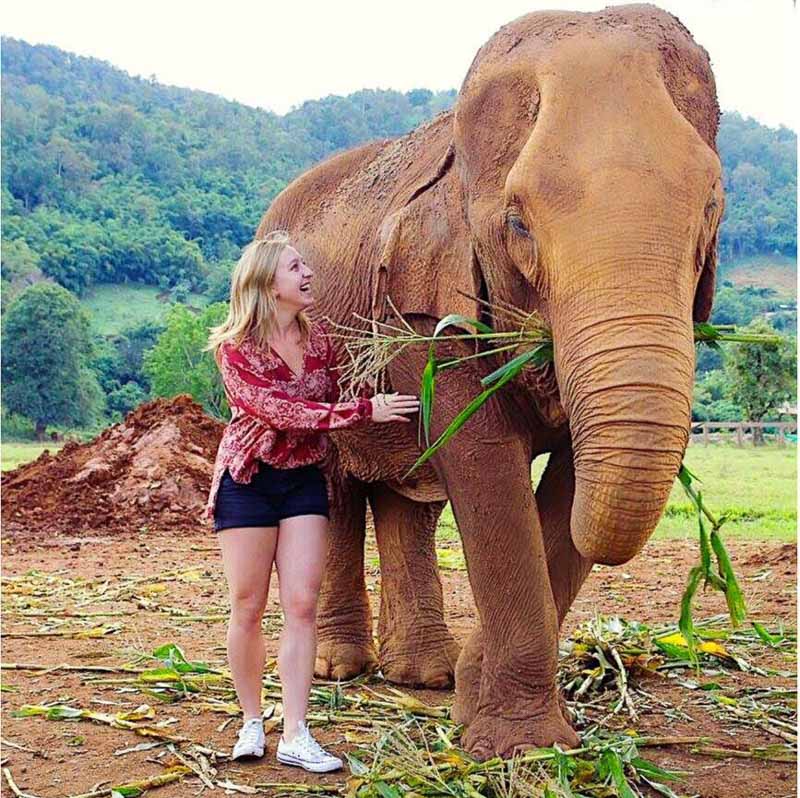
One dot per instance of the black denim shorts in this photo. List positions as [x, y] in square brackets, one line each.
[273, 494]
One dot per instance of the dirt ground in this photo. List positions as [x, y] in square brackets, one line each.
[169, 588]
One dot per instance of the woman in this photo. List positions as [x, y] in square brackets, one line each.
[268, 495]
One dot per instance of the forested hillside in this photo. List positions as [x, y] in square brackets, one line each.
[111, 179]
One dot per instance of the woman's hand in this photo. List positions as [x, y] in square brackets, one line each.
[393, 407]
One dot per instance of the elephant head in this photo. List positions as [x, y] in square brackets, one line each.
[583, 154]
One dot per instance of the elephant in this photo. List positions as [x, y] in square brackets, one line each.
[576, 176]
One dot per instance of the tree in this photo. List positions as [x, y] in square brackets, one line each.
[19, 266]
[419, 96]
[124, 399]
[732, 306]
[762, 376]
[218, 282]
[46, 347]
[177, 363]
[131, 344]
[712, 399]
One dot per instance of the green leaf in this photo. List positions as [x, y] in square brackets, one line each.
[611, 767]
[387, 791]
[357, 767]
[733, 593]
[705, 547]
[459, 421]
[704, 330]
[653, 771]
[685, 624]
[677, 653]
[686, 476]
[458, 319]
[427, 393]
[64, 713]
[661, 788]
[516, 364]
[565, 767]
[769, 639]
[173, 657]
[125, 791]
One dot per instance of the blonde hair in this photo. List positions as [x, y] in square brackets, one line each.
[252, 307]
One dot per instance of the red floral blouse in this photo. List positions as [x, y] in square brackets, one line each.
[277, 416]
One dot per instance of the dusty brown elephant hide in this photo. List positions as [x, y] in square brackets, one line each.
[577, 175]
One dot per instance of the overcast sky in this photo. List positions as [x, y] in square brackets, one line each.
[277, 54]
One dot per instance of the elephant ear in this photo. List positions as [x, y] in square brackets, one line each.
[427, 254]
[706, 257]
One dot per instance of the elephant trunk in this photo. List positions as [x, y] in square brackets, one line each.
[625, 366]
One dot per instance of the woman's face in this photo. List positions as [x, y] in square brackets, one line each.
[292, 284]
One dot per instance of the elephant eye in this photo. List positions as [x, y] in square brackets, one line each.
[517, 225]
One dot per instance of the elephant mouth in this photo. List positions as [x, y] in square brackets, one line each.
[542, 385]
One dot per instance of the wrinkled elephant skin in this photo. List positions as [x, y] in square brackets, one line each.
[576, 176]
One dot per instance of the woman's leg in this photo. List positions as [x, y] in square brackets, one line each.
[247, 557]
[300, 561]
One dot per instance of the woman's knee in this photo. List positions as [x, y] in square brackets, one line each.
[247, 608]
[300, 606]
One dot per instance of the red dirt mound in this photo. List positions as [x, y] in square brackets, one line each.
[153, 469]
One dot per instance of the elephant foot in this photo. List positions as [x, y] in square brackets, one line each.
[344, 660]
[420, 660]
[494, 734]
[468, 688]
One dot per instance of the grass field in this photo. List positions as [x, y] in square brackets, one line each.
[114, 307]
[757, 486]
[15, 454]
[774, 271]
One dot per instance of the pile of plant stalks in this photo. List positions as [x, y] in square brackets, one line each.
[407, 748]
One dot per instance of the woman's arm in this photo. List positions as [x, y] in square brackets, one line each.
[261, 399]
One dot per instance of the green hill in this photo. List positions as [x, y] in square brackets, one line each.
[136, 195]
[777, 272]
[115, 308]
[110, 178]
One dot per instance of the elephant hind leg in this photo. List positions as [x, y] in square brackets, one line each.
[416, 648]
[344, 618]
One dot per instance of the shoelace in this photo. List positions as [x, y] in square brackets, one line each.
[309, 744]
[249, 733]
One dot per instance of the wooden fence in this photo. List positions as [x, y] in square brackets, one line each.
[741, 431]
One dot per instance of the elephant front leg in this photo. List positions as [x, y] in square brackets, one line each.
[517, 704]
[416, 648]
[567, 570]
[344, 619]
[485, 469]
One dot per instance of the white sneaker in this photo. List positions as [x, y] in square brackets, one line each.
[251, 740]
[305, 752]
